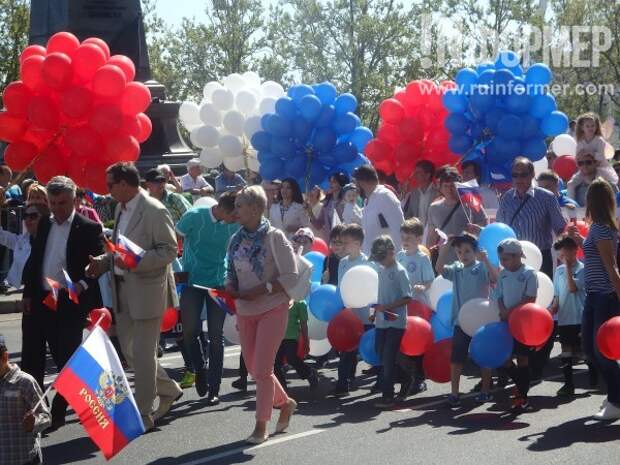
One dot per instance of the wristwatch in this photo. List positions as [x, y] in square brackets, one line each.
[269, 287]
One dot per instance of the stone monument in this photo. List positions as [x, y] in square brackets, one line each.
[120, 24]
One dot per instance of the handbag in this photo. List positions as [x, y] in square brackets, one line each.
[301, 288]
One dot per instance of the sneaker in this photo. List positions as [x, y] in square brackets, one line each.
[519, 404]
[202, 385]
[454, 401]
[339, 391]
[607, 413]
[566, 391]
[313, 379]
[385, 402]
[212, 398]
[483, 397]
[371, 371]
[188, 379]
[240, 384]
[404, 391]
[417, 387]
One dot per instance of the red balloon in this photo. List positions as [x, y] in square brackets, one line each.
[417, 308]
[377, 150]
[169, 319]
[76, 102]
[437, 361]
[125, 64]
[319, 245]
[63, 42]
[43, 113]
[401, 96]
[87, 59]
[76, 171]
[407, 152]
[99, 43]
[16, 98]
[389, 133]
[11, 127]
[83, 141]
[136, 98]
[19, 155]
[30, 71]
[106, 119]
[146, 127]
[418, 92]
[95, 178]
[391, 111]
[32, 50]
[51, 163]
[131, 126]
[57, 70]
[345, 330]
[418, 336]
[411, 130]
[608, 338]
[101, 316]
[109, 81]
[121, 148]
[39, 137]
[565, 166]
[530, 324]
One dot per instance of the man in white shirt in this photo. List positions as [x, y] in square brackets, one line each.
[382, 213]
[193, 181]
[416, 203]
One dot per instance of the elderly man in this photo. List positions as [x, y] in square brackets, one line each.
[193, 181]
[228, 181]
[62, 245]
[175, 203]
[420, 198]
[588, 171]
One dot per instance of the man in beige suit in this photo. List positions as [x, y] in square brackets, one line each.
[140, 295]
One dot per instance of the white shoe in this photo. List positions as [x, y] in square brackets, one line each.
[608, 412]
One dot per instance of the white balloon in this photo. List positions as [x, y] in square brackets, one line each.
[230, 329]
[541, 165]
[223, 99]
[317, 329]
[564, 144]
[545, 290]
[230, 146]
[234, 163]
[439, 286]
[234, 82]
[253, 164]
[533, 257]
[246, 101]
[272, 89]
[209, 88]
[189, 114]
[359, 287]
[257, 91]
[205, 202]
[204, 136]
[233, 122]
[267, 105]
[211, 157]
[252, 126]
[319, 348]
[210, 115]
[252, 78]
[476, 313]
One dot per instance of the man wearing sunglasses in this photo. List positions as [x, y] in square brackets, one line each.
[588, 171]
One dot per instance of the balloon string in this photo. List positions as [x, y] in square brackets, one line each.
[308, 168]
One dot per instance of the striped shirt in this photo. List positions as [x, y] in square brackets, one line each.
[597, 279]
[539, 218]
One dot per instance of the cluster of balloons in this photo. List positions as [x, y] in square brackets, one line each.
[499, 112]
[565, 147]
[312, 133]
[228, 116]
[74, 107]
[412, 129]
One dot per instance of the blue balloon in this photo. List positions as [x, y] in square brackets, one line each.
[265, 156]
[367, 348]
[271, 169]
[282, 147]
[507, 149]
[534, 149]
[457, 123]
[261, 141]
[345, 152]
[326, 92]
[345, 103]
[278, 126]
[487, 77]
[492, 117]
[360, 137]
[317, 259]
[286, 108]
[530, 126]
[466, 79]
[477, 131]
[318, 172]
[324, 139]
[344, 123]
[538, 74]
[300, 91]
[264, 119]
[325, 301]
[555, 123]
[310, 107]
[444, 309]
[510, 127]
[507, 59]
[485, 66]
[454, 101]
[542, 105]
[356, 163]
[301, 129]
[326, 117]
[460, 143]
[503, 78]
[296, 166]
[482, 99]
[490, 237]
[518, 101]
[491, 345]
[440, 331]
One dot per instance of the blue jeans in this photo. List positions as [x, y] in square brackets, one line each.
[192, 301]
[387, 345]
[597, 310]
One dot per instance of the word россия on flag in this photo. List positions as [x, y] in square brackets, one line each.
[469, 193]
[94, 384]
[130, 252]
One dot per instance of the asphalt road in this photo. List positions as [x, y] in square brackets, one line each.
[350, 430]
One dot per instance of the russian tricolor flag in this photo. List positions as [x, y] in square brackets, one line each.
[73, 296]
[130, 252]
[469, 193]
[51, 299]
[95, 385]
[223, 300]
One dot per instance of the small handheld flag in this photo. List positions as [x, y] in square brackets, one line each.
[51, 299]
[223, 300]
[130, 252]
[71, 289]
[469, 193]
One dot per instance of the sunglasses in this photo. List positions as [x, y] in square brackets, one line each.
[585, 163]
[521, 175]
[30, 216]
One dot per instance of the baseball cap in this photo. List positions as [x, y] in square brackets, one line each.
[154, 175]
[304, 233]
[511, 246]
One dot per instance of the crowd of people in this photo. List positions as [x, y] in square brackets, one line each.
[244, 237]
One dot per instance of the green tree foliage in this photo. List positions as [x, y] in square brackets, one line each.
[14, 18]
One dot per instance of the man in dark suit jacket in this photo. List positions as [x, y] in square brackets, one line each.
[63, 241]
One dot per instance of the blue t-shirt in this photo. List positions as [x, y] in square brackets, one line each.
[513, 286]
[345, 264]
[468, 282]
[393, 285]
[597, 279]
[204, 246]
[571, 303]
[420, 271]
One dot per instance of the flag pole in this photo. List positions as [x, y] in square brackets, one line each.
[463, 207]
